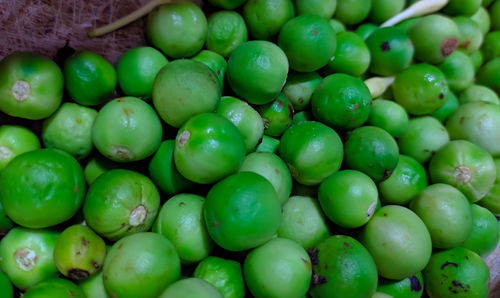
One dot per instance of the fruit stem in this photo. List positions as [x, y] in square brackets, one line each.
[416, 9]
[378, 85]
[133, 16]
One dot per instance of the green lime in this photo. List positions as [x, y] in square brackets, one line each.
[320, 8]
[299, 88]
[382, 10]
[494, 13]
[6, 289]
[24, 78]
[89, 78]
[215, 62]
[277, 116]
[458, 70]
[485, 231]
[265, 18]
[462, 7]
[352, 12]
[226, 31]
[450, 105]
[365, 30]
[489, 74]
[224, 274]
[93, 286]
[191, 287]
[137, 70]
[15, 140]
[337, 25]
[470, 36]
[482, 18]
[410, 287]
[351, 57]
[96, 166]
[389, 116]
[55, 287]
[475, 93]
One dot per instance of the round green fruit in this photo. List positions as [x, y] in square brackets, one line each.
[191, 287]
[6, 289]
[410, 287]
[55, 287]
[226, 31]
[485, 231]
[389, 116]
[265, 18]
[15, 140]
[351, 57]
[224, 274]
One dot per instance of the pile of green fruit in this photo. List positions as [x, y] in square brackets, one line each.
[266, 148]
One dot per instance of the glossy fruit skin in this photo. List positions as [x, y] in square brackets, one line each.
[226, 31]
[457, 272]
[348, 198]
[279, 268]
[308, 41]
[489, 74]
[351, 12]
[446, 212]
[277, 116]
[163, 172]
[140, 265]
[268, 144]
[96, 166]
[320, 8]
[351, 56]
[382, 236]
[462, 8]
[23, 78]
[407, 180]
[215, 62]
[477, 122]
[312, 151]
[55, 287]
[15, 140]
[450, 105]
[458, 70]
[410, 287]
[389, 116]
[391, 51]
[208, 147]
[224, 274]
[6, 289]
[491, 200]
[181, 221]
[265, 18]
[257, 71]
[465, 166]
[342, 265]
[79, 252]
[27, 256]
[435, 37]
[420, 89]
[70, 129]
[242, 211]
[137, 69]
[303, 221]
[273, 168]
[382, 10]
[89, 78]
[373, 151]
[423, 137]
[245, 118]
[25, 196]
[299, 88]
[485, 231]
[178, 29]
[470, 36]
[365, 30]
[183, 89]
[191, 287]
[482, 18]
[121, 203]
[341, 101]
[476, 93]
[93, 286]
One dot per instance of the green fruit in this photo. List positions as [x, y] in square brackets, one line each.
[341, 101]
[5, 223]
[446, 213]
[365, 30]
[181, 221]
[407, 24]
[27, 256]
[489, 74]
[121, 203]
[79, 252]
[420, 89]
[348, 198]
[24, 78]
[183, 89]
[6, 289]
[257, 71]
[137, 70]
[391, 51]
[277, 116]
[351, 12]
[337, 26]
[423, 137]
[494, 13]
[408, 179]
[465, 166]
[303, 221]
[485, 231]
[491, 200]
[191, 287]
[118, 126]
[208, 147]
[312, 151]
[383, 10]
[482, 18]
[302, 117]
[470, 36]
[224, 274]
[93, 286]
[320, 8]
[373, 151]
[477, 59]
[410, 287]
[265, 18]
[308, 41]
[245, 118]
[458, 70]
[475, 93]
[435, 37]
[215, 62]
[96, 166]
[242, 211]
[140, 265]
[178, 29]
[89, 78]
[226, 31]
[163, 172]
[398, 241]
[299, 88]
[42, 188]
[268, 144]
[227, 4]
[341, 265]
[389, 116]
[273, 168]
[15, 140]
[477, 122]
[55, 287]
[457, 272]
[449, 106]
[351, 57]
[462, 8]
[70, 129]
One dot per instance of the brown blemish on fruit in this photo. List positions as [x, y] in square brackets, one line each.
[26, 258]
[415, 285]
[300, 100]
[385, 46]
[181, 204]
[78, 120]
[346, 244]
[448, 46]
[217, 224]
[318, 280]
[77, 273]
[84, 241]
[313, 255]
[21, 90]
[315, 32]
[279, 103]
[128, 112]
[462, 174]
[76, 188]
[120, 99]
[120, 246]
[218, 72]
[387, 174]
[94, 264]
[71, 293]
[183, 138]
[137, 216]
[385, 214]
[307, 264]
[355, 107]
[461, 121]
[122, 152]
[276, 170]
[447, 264]
[465, 44]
